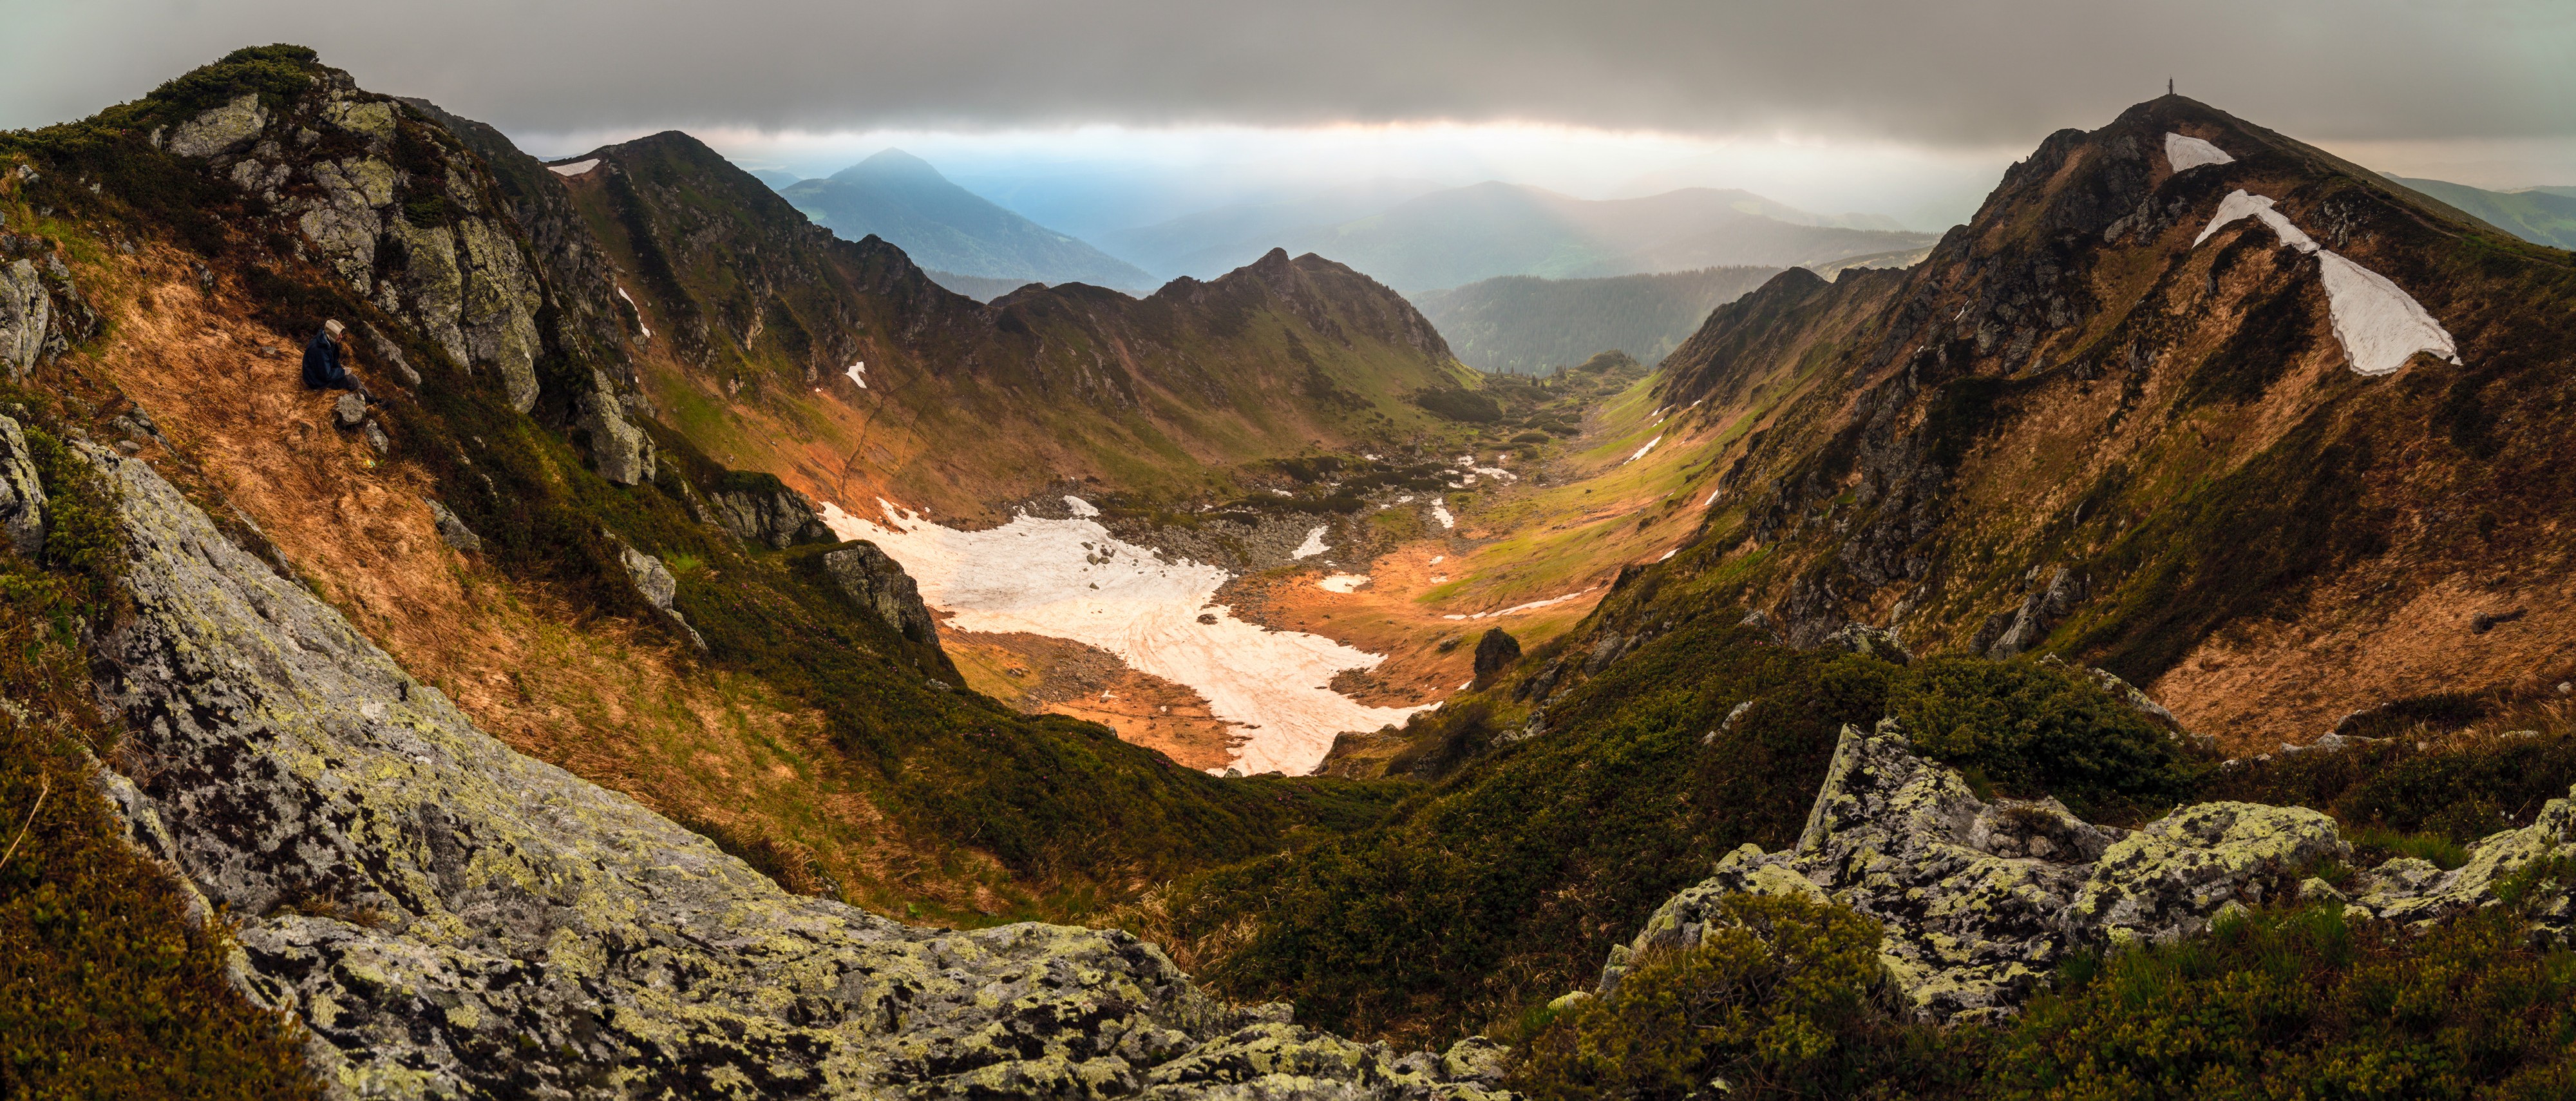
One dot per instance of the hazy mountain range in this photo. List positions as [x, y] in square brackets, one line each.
[1456, 236]
[944, 227]
[2540, 215]
[1524, 324]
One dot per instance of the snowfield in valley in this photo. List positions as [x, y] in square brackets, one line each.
[1072, 579]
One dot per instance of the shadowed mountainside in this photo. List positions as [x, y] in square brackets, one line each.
[1525, 325]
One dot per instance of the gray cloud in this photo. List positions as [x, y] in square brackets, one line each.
[1971, 73]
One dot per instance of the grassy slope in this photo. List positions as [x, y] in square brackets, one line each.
[2536, 215]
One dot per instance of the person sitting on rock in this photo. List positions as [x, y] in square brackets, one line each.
[326, 359]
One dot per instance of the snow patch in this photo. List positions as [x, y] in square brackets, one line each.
[575, 168]
[2186, 154]
[2380, 325]
[1440, 512]
[639, 312]
[1641, 452]
[1668, 554]
[858, 373]
[1314, 544]
[1712, 497]
[1036, 575]
[1079, 507]
[1342, 582]
[1532, 606]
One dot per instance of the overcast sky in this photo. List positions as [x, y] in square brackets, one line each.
[2480, 89]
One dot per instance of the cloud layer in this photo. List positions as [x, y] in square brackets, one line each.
[1976, 72]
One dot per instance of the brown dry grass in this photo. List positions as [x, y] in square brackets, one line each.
[606, 699]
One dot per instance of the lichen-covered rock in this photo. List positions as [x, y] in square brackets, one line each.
[447, 918]
[1969, 894]
[620, 451]
[499, 307]
[878, 583]
[343, 222]
[26, 317]
[2171, 877]
[1978, 901]
[220, 129]
[2418, 893]
[22, 494]
[349, 412]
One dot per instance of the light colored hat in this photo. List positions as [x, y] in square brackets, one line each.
[332, 326]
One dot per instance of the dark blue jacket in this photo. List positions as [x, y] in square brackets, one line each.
[322, 369]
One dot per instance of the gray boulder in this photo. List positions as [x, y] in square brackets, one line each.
[446, 918]
[654, 582]
[453, 531]
[878, 583]
[22, 494]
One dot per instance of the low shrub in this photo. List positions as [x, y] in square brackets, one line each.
[1768, 1004]
[2029, 729]
[2302, 1003]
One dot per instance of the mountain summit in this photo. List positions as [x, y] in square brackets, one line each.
[946, 228]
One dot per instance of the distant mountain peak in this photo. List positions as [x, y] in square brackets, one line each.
[905, 200]
[893, 163]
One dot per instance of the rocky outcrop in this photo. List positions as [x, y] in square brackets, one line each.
[1980, 900]
[653, 581]
[877, 582]
[1494, 653]
[2006, 634]
[1868, 641]
[767, 513]
[417, 232]
[220, 129]
[619, 450]
[22, 494]
[447, 918]
[26, 316]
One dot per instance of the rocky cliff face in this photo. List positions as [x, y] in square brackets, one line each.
[449, 918]
[394, 205]
[1980, 900]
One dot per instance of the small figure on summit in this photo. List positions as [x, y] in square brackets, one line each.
[326, 361]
